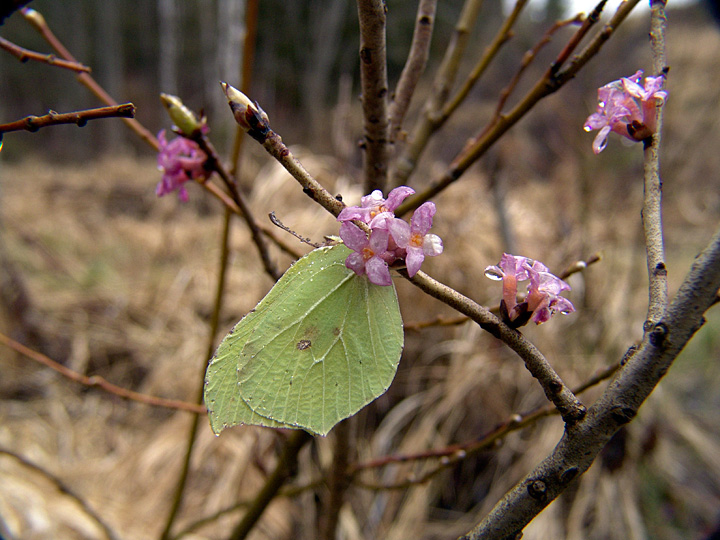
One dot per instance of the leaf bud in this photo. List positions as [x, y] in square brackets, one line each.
[183, 118]
[248, 115]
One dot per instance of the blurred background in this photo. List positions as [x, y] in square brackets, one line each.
[104, 277]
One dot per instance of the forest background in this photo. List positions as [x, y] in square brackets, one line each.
[119, 283]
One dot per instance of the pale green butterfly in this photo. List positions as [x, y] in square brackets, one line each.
[320, 346]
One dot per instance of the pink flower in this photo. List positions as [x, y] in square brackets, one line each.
[390, 238]
[370, 255]
[627, 108]
[543, 297]
[373, 205]
[414, 238]
[650, 96]
[180, 160]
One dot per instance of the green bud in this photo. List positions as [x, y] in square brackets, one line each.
[181, 116]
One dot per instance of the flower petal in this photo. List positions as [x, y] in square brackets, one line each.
[378, 272]
[353, 236]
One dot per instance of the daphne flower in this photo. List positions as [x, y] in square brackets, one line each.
[414, 238]
[370, 255]
[180, 160]
[543, 297]
[375, 206]
[650, 96]
[543, 294]
[627, 108]
[510, 270]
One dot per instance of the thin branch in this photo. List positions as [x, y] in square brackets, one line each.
[255, 121]
[312, 188]
[339, 479]
[577, 266]
[38, 22]
[571, 409]
[553, 80]
[528, 58]
[414, 66]
[652, 203]
[63, 488]
[514, 423]
[618, 405]
[503, 35]
[373, 80]
[444, 80]
[285, 469]
[99, 382]
[80, 118]
[212, 333]
[242, 205]
[24, 55]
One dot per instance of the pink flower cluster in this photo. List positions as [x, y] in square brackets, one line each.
[543, 294]
[180, 160]
[391, 238]
[627, 108]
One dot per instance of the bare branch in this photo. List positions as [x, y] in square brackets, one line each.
[63, 488]
[80, 118]
[37, 21]
[652, 203]
[24, 55]
[571, 409]
[620, 402]
[285, 468]
[552, 81]
[100, 382]
[414, 66]
[373, 80]
[444, 80]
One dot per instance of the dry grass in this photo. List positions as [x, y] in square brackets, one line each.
[121, 285]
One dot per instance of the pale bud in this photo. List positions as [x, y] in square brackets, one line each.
[183, 118]
[248, 115]
[34, 17]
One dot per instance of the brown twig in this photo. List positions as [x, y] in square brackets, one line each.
[285, 468]
[618, 405]
[444, 79]
[450, 455]
[212, 333]
[414, 66]
[241, 204]
[571, 409]
[554, 79]
[63, 488]
[528, 58]
[339, 479]
[24, 55]
[652, 190]
[503, 35]
[373, 81]
[574, 268]
[99, 382]
[37, 21]
[274, 145]
[80, 118]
